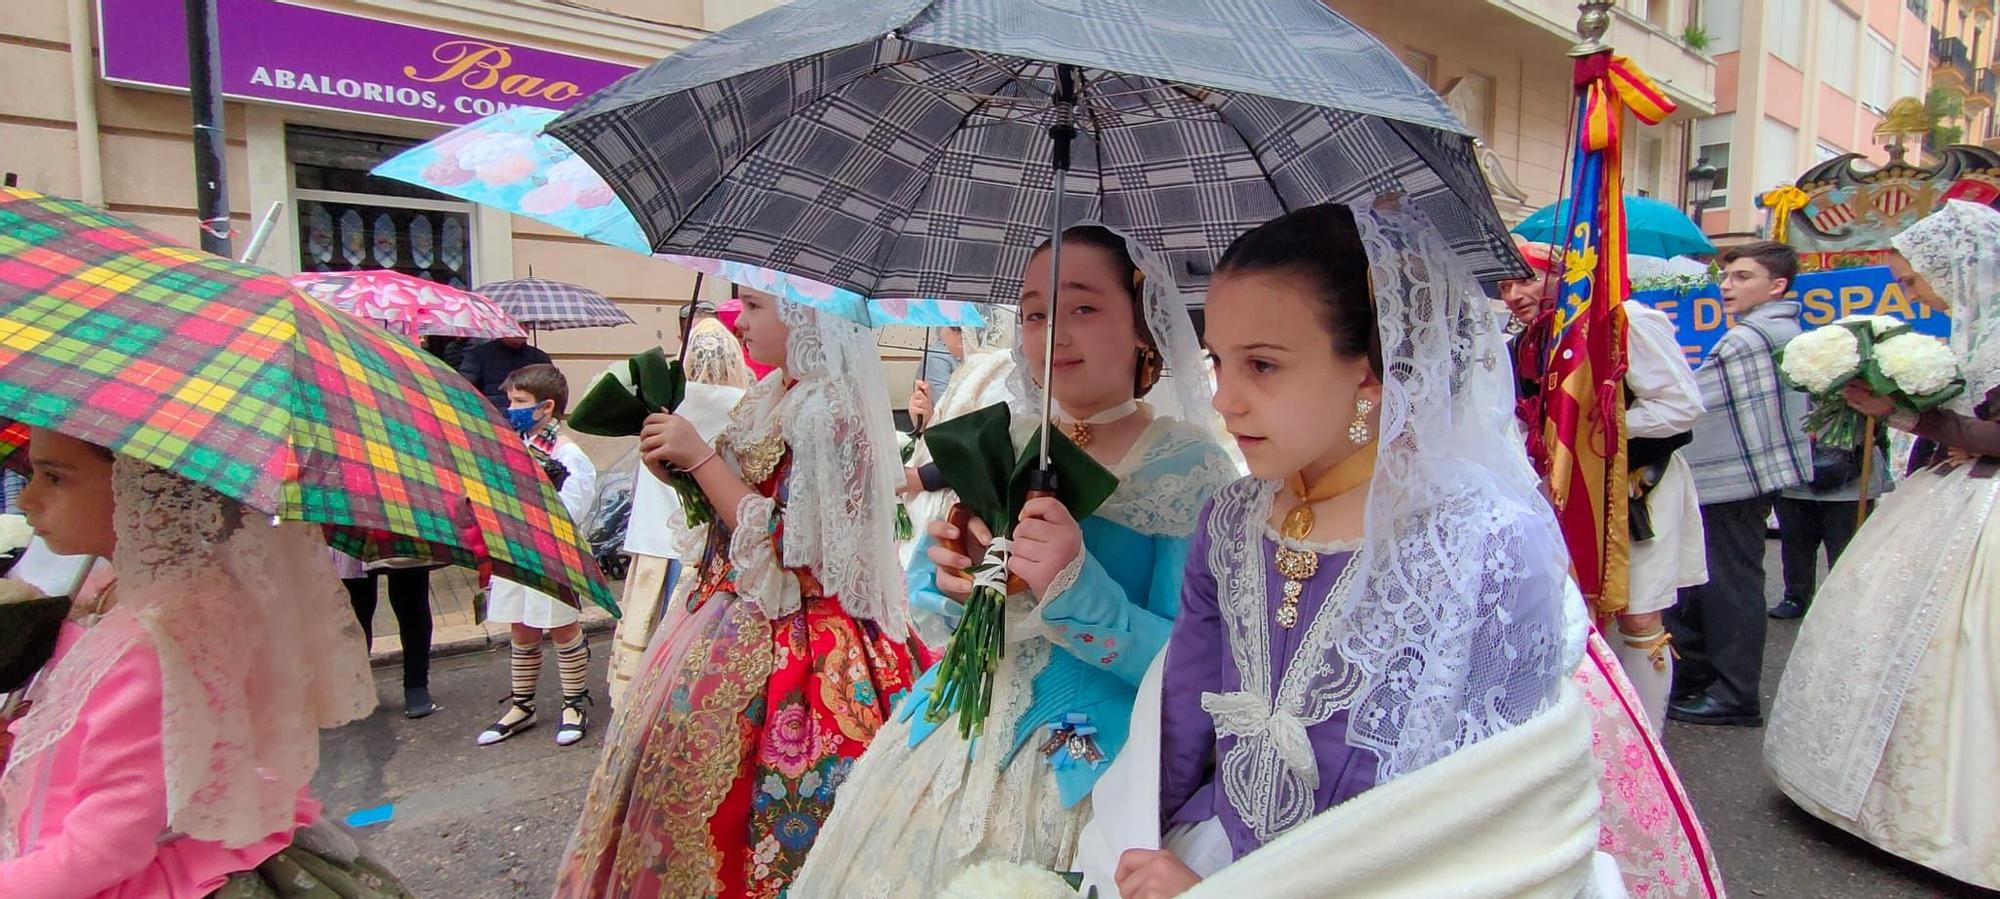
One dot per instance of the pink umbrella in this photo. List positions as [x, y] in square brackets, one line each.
[408, 304]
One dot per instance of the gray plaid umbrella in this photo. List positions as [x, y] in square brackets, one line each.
[901, 148]
[543, 305]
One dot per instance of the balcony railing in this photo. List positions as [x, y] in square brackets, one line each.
[1988, 82]
[1950, 52]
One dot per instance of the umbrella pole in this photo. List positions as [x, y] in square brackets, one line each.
[1061, 133]
[687, 324]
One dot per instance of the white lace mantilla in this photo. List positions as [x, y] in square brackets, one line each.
[1270, 774]
[1957, 249]
[839, 504]
[258, 650]
[1166, 478]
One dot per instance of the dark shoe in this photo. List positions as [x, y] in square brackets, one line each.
[1707, 709]
[1788, 609]
[520, 716]
[1688, 692]
[417, 702]
[572, 727]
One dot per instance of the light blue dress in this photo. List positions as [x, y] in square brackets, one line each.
[924, 803]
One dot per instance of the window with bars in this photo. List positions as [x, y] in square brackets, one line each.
[350, 220]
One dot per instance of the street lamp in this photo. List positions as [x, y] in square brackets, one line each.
[1700, 187]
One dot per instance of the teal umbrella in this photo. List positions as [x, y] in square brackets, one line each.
[1652, 228]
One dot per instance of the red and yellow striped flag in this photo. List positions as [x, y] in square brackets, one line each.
[1583, 366]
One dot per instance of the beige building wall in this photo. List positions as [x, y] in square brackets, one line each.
[1503, 65]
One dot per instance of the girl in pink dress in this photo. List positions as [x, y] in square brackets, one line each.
[167, 745]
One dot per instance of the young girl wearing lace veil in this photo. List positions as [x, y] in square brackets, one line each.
[1369, 682]
[924, 804]
[1887, 722]
[172, 735]
[752, 703]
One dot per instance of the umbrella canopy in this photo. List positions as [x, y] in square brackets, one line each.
[408, 304]
[902, 147]
[224, 374]
[844, 303]
[505, 161]
[1652, 228]
[543, 305]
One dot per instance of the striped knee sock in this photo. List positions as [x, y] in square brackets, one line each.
[573, 663]
[527, 667]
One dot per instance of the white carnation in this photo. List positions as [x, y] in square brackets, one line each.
[1919, 365]
[14, 533]
[1820, 359]
[990, 879]
[1879, 324]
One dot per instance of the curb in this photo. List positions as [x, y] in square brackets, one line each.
[464, 639]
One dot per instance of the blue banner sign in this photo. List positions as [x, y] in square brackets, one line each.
[1823, 297]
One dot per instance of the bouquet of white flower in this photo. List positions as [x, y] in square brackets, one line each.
[995, 878]
[1919, 373]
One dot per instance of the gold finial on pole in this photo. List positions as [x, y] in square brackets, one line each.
[1593, 22]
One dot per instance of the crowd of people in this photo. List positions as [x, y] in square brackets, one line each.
[1324, 624]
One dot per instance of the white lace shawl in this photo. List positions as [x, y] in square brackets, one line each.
[1451, 626]
[1957, 249]
[840, 504]
[1184, 391]
[258, 648]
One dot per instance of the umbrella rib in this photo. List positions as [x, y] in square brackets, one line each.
[877, 263]
[1248, 150]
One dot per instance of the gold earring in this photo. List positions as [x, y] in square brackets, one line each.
[1358, 432]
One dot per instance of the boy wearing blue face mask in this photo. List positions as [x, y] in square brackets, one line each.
[537, 397]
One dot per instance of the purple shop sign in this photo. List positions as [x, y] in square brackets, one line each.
[300, 56]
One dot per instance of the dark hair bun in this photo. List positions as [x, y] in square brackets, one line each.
[1322, 246]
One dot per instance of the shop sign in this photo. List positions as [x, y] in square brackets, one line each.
[301, 56]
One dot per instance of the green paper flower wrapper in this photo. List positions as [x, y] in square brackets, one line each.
[1831, 421]
[617, 403]
[975, 455]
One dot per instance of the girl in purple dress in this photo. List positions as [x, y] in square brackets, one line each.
[1384, 592]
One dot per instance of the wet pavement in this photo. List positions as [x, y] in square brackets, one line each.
[493, 821]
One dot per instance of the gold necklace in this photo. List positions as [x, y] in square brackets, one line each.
[1079, 430]
[1298, 564]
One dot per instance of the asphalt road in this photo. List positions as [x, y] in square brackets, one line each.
[493, 821]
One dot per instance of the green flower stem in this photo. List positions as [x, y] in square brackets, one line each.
[966, 673]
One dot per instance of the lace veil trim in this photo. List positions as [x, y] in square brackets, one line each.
[1957, 249]
[1449, 624]
[258, 650]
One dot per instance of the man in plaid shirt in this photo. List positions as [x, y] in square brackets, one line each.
[1749, 445]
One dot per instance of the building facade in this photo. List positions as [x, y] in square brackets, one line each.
[1502, 65]
[1962, 75]
[109, 123]
[1799, 82]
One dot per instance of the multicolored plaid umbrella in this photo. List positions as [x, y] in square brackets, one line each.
[225, 374]
[543, 305]
[410, 305]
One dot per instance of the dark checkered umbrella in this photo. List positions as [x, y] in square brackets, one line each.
[543, 305]
[902, 148]
[224, 374]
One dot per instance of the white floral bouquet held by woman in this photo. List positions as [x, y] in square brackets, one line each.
[1881, 353]
[997, 878]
